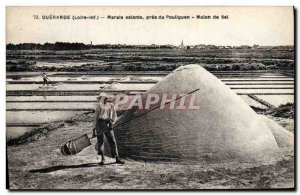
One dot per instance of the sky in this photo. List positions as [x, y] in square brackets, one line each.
[244, 26]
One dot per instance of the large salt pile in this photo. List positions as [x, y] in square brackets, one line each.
[224, 127]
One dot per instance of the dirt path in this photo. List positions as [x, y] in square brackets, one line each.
[40, 165]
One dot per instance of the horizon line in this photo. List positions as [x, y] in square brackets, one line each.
[148, 44]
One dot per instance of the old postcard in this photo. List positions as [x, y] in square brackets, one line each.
[150, 98]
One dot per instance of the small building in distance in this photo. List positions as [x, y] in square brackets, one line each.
[181, 46]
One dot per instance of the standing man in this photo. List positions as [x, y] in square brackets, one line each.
[45, 78]
[104, 117]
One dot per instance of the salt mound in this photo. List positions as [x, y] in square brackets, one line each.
[224, 127]
[283, 137]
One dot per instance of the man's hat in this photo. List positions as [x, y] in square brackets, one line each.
[102, 94]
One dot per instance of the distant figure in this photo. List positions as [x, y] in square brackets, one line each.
[104, 117]
[45, 78]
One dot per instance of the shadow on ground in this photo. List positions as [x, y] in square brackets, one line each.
[62, 167]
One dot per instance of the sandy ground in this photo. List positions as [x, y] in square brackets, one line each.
[40, 165]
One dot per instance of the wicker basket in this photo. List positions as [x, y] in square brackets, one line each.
[76, 145]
